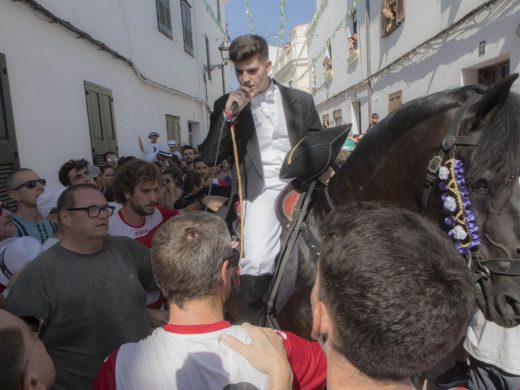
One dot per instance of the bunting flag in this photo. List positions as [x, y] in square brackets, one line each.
[282, 23]
[312, 62]
[341, 25]
[209, 10]
[249, 17]
[316, 17]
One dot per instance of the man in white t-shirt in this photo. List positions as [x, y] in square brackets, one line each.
[193, 265]
[151, 147]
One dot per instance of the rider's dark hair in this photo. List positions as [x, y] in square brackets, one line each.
[398, 293]
[247, 46]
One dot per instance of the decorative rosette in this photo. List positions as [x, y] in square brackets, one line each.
[457, 206]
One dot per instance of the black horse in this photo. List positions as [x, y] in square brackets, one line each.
[398, 163]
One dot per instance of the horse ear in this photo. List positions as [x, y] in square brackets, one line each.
[495, 96]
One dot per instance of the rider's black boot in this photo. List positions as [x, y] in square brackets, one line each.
[253, 291]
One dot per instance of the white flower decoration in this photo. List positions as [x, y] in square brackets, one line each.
[450, 204]
[444, 173]
[459, 233]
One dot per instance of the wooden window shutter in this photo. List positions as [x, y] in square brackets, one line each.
[338, 117]
[100, 112]
[186, 27]
[173, 128]
[399, 11]
[8, 147]
[395, 99]
[164, 21]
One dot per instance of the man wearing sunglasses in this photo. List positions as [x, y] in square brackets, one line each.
[24, 187]
[89, 289]
[193, 263]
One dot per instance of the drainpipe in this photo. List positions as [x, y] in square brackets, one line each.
[369, 67]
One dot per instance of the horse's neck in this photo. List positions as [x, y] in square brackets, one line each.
[388, 173]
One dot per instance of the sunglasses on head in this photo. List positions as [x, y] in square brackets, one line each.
[233, 257]
[30, 184]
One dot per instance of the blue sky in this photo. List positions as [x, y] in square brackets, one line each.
[267, 17]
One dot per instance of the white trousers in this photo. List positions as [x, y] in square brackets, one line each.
[261, 235]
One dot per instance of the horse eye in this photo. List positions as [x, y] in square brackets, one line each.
[480, 186]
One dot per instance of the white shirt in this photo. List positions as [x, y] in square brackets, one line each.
[16, 253]
[168, 360]
[150, 150]
[493, 344]
[271, 131]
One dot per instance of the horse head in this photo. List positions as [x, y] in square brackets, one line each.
[389, 165]
[492, 176]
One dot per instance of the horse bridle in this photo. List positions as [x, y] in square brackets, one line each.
[483, 268]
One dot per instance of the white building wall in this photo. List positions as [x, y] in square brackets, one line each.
[450, 60]
[47, 66]
[291, 66]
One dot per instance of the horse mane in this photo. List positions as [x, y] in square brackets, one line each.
[497, 152]
[401, 121]
[497, 156]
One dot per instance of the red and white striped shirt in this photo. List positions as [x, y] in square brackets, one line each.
[143, 234]
[191, 357]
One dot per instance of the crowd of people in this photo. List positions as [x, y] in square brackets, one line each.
[119, 277]
[95, 289]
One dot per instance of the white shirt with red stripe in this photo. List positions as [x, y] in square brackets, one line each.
[191, 357]
[143, 234]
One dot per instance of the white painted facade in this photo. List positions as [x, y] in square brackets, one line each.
[290, 67]
[47, 65]
[416, 58]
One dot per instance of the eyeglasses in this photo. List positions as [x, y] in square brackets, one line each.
[30, 184]
[95, 211]
[233, 257]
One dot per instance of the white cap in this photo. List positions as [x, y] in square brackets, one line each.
[48, 200]
[15, 253]
[171, 143]
[165, 152]
[94, 170]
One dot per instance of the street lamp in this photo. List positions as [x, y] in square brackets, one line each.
[224, 54]
[224, 50]
[207, 69]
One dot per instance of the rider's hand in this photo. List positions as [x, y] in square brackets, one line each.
[241, 96]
